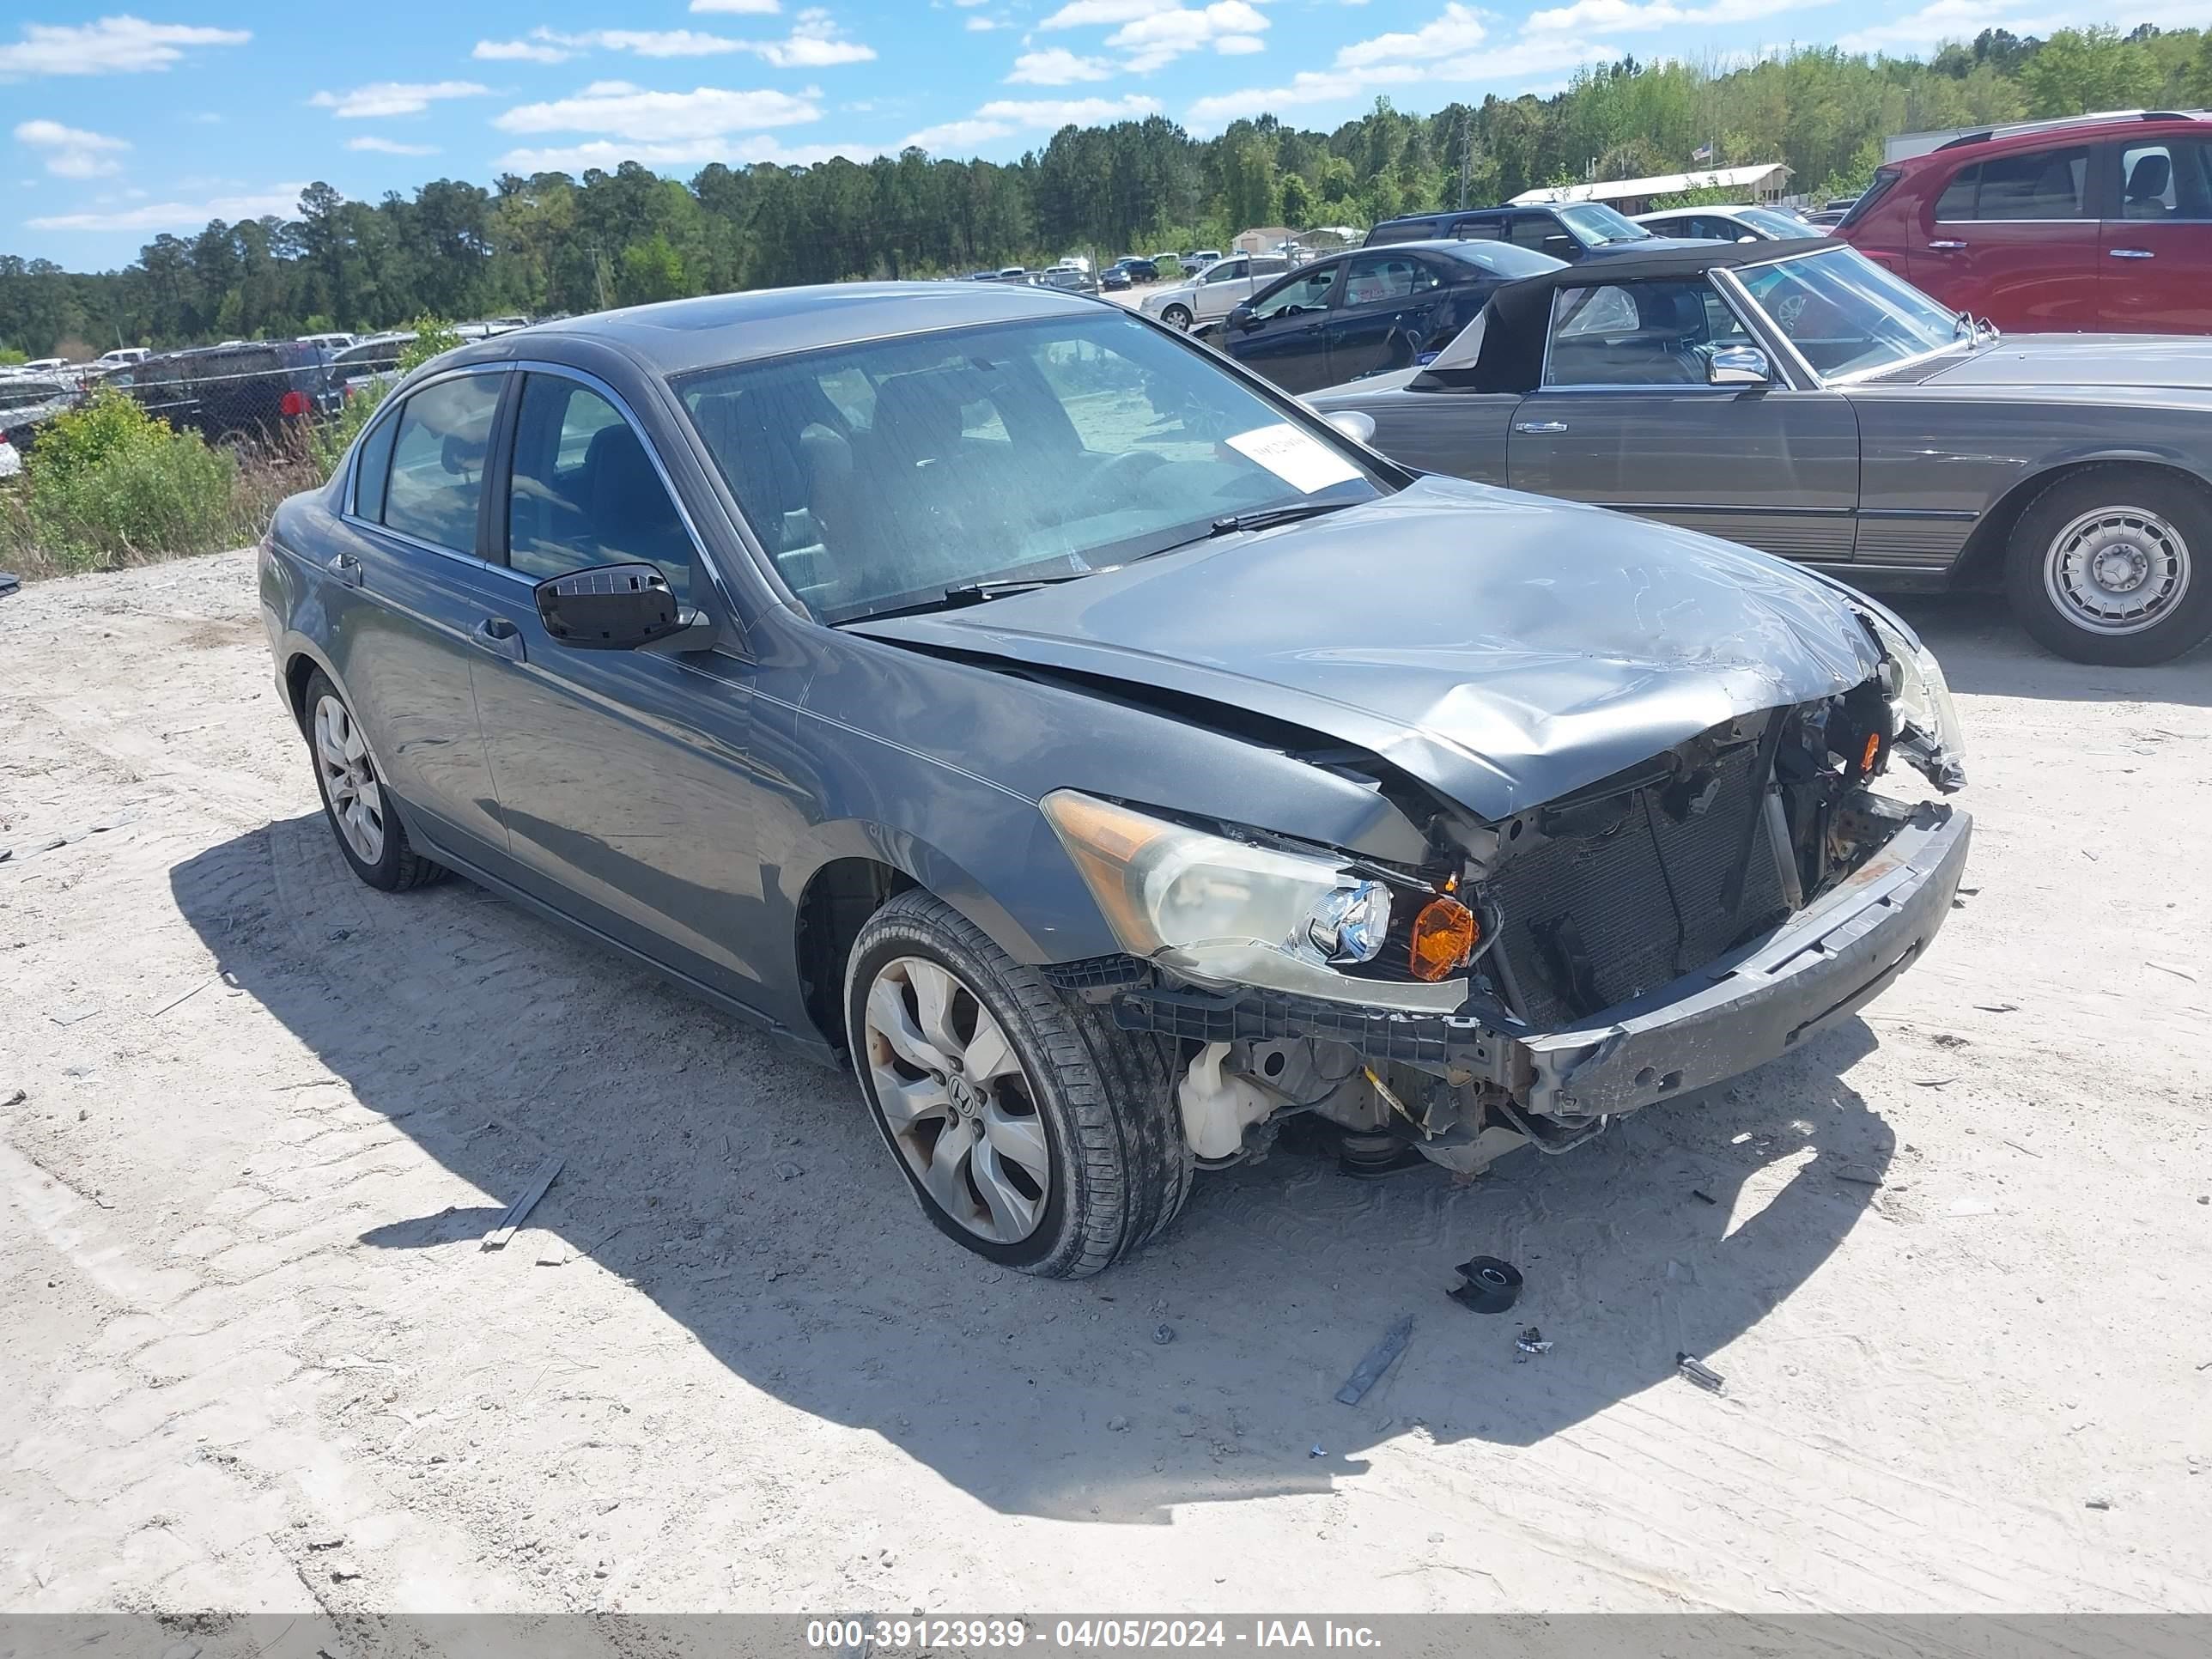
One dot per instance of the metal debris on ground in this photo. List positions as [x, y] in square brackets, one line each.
[17, 1097]
[2174, 969]
[9, 583]
[1699, 1193]
[497, 1239]
[2098, 1504]
[1998, 1007]
[1316, 1451]
[1696, 1370]
[1164, 1335]
[1490, 1286]
[1531, 1341]
[1369, 1372]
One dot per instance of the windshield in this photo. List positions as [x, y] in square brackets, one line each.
[1848, 315]
[1774, 222]
[1597, 224]
[879, 475]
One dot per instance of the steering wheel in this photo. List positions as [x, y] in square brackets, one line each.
[1118, 473]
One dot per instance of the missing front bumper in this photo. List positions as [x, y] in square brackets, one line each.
[1752, 1005]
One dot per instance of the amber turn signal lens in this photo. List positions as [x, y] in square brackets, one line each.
[1444, 935]
[1872, 752]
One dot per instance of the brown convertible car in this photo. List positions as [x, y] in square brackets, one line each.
[1797, 397]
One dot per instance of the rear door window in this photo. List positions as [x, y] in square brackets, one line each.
[1381, 278]
[2041, 184]
[2169, 181]
[438, 455]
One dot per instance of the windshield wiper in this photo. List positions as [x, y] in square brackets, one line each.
[1267, 517]
[966, 593]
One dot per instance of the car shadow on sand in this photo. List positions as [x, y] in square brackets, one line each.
[746, 1194]
[1985, 652]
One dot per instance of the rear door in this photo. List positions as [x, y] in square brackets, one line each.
[1625, 418]
[407, 592]
[2013, 238]
[1385, 314]
[625, 777]
[1286, 337]
[2155, 273]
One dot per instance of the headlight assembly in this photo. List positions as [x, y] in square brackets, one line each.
[1920, 703]
[1222, 912]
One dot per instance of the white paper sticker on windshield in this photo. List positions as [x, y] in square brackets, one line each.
[1300, 460]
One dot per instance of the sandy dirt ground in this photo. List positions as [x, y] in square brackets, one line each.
[1954, 1260]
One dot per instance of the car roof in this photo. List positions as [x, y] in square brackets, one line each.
[678, 335]
[1513, 334]
[2008, 139]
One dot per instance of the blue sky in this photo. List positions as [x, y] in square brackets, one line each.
[121, 126]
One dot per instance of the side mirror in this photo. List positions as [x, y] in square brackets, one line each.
[1356, 424]
[609, 607]
[1242, 318]
[1738, 366]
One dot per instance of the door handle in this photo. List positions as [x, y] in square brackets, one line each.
[346, 569]
[1947, 247]
[501, 637]
[1537, 428]
[2130, 253]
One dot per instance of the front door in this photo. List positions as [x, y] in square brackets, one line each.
[2013, 239]
[2157, 240]
[624, 776]
[1626, 418]
[1287, 337]
[1384, 315]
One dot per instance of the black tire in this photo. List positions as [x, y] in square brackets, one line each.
[1177, 317]
[398, 865]
[2033, 565]
[1121, 1168]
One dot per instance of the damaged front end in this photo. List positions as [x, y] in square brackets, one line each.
[1648, 934]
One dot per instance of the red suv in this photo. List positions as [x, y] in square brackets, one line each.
[2103, 223]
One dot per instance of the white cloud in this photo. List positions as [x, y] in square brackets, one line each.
[983, 24]
[1618, 16]
[754, 8]
[393, 98]
[733, 151]
[953, 137]
[389, 146]
[279, 200]
[1056, 66]
[1004, 116]
[1053, 114]
[816, 42]
[521, 52]
[111, 46]
[1160, 30]
[1235, 46]
[1366, 73]
[1457, 30]
[72, 152]
[1960, 20]
[706, 115]
[1087, 14]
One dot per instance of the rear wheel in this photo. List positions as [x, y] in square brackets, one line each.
[1177, 316]
[1034, 1133]
[369, 831]
[2106, 566]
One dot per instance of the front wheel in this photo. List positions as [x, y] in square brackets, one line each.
[1177, 317]
[1034, 1133]
[2105, 567]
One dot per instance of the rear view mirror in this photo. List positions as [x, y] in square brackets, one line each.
[1738, 366]
[609, 607]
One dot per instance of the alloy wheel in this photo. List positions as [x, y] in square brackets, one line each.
[960, 1107]
[350, 780]
[2117, 570]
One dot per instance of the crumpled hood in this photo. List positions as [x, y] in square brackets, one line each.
[1503, 648]
[2097, 361]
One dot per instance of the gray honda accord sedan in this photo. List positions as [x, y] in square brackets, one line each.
[1100, 753]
